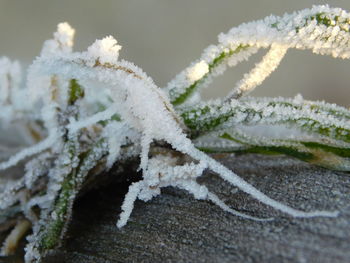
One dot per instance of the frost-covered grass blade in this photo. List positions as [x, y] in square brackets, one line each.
[322, 29]
[84, 112]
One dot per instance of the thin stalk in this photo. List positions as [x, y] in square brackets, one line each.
[178, 98]
[317, 153]
[313, 119]
[307, 29]
[71, 185]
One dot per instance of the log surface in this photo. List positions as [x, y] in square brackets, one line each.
[174, 227]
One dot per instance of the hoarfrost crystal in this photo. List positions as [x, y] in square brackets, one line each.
[94, 111]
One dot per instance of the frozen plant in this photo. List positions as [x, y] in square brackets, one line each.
[85, 112]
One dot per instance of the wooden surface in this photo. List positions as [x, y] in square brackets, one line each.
[174, 227]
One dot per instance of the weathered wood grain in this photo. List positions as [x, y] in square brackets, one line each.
[175, 227]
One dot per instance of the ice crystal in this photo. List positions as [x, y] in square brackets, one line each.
[322, 29]
[88, 111]
[105, 50]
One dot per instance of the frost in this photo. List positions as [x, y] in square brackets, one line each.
[10, 77]
[261, 71]
[63, 40]
[88, 111]
[322, 29]
[105, 50]
[41, 146]
[10, 81]
[197, 71]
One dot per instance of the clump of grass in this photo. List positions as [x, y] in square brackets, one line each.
[86, 111]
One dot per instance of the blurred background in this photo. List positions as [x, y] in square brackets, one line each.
[164, 36]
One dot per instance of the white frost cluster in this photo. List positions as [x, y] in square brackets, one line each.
[63, 40]
[120, 113]
[197, 71]
[261, 71]
[128, 90]
[105, 50]
[322, 29]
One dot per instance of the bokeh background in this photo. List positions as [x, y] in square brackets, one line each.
[164, 36]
